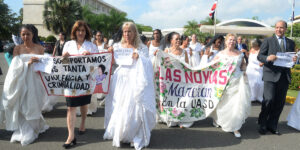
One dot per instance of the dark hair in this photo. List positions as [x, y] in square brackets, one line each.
[143, 38]
[62, 33]
[160, 34]
[118, 36]
[100, 36]
[103, 69]
[215, 38]
[284, 22]
[183, 37]
[207, 39]
[76, 26]
[33, 30]
[170, 36]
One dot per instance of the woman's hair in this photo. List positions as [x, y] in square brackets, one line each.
[255, 43]
[100, 36]
[213, 41]
[102, 67]
[132, 26]
[76, 26]
[160, 34]
[118, 36]
[229, 35]
[33, 30]
[170, 36]
[143, 38]
[207, 40]
[183, 38]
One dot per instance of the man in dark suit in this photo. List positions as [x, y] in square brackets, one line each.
[242, 47]
[276, 79]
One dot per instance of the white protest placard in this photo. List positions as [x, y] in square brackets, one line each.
[45, 64]
[284, 59]
[123, 56]
[79, 75]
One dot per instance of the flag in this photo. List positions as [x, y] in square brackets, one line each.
[293, 15]
[213, 8]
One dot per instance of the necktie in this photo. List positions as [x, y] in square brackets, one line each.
[282, 45]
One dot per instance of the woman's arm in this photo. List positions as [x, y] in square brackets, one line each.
[186, 57]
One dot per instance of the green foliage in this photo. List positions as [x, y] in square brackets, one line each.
[10, 22]
[108, 24]
[60, 15]
[42, 38]
[142, 28]
[50, 38]
[193, 28]
[296, 31]
[295, 84]
[209, 21]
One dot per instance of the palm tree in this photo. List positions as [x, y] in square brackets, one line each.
[115, 20]
[60, 15]
[191, 28]
[209, 21]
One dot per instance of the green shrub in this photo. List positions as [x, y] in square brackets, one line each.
[42, 38]
[50, 38]
[295, 85]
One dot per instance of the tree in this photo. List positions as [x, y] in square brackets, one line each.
[142, 28]
[108, 24]
[209, 21]
[60, 15]
[296, 30]
[8, 22]
[191, 28]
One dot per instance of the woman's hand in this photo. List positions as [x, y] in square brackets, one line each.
[66, 55]
[86, 53]
[33, 60]
[261, 64]
[191, 52]
[110, 49]
[135, 55]
[155, 53]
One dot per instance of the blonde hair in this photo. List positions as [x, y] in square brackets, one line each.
[229, 35]
[132, 26]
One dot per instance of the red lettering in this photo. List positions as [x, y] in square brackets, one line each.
[198, 74]
[206, 75]
[168, 74]
[214, 77]
[177, 76]
[188, 77]
[224, 77]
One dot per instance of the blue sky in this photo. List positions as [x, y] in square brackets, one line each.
[175, 13]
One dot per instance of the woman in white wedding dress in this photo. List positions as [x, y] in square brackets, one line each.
[23, 94]
[154, 45]
[130, 104]
[294, 115]
[234, 106]
[255, 72]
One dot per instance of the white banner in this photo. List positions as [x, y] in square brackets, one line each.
[79, 75]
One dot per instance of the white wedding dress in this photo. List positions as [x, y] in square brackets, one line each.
[130, 105]
[254, 73]
[22, 100]
[294, 115]
[234, 106]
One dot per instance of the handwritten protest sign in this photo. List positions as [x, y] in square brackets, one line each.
[79, 75]
[123, 56]
[285, 59]
[184, 94]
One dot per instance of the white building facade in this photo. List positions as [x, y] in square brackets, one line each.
[33, 12]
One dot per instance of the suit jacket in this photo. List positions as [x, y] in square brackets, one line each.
[271, 46]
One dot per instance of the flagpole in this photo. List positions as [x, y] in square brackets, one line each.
[215, 20]
[293, 9]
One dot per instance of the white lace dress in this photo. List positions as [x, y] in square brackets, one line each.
[152, 49]
[234, 106]
[254, 73]
[294, 115]
[22, 100]
[195, 59]
[130, 105]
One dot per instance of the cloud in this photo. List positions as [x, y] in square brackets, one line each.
[175, 13]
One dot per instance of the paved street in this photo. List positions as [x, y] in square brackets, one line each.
[201, 136]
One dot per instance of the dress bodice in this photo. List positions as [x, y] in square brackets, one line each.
[179, 57]
[239, 59]
[71, 47]
[152, 49]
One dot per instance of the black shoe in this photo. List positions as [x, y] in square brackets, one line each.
[81, 132]
[276, 132]
[67, 146]
[262, 131]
